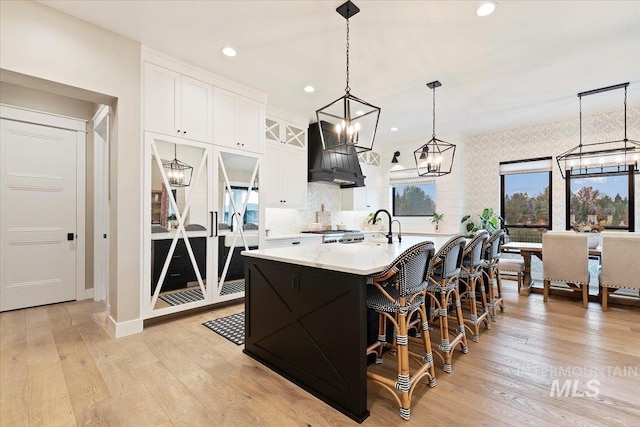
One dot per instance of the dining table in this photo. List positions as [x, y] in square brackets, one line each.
[527, 250]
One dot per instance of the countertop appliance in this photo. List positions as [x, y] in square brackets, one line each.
[340, 236]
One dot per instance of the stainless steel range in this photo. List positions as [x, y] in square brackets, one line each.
[340, 236]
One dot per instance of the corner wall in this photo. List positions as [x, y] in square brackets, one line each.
[38, 41]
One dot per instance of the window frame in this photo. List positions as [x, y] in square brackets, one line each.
[631, 188]
[507, 226]
[393, 199]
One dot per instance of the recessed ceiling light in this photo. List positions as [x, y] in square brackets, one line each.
[359, 113]
[486, 8]
[309, 89]
[393, 129]
[229, 51]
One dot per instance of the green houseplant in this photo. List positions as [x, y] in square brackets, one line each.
[488, 220]
[436, 218]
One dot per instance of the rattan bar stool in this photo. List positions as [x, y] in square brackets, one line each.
[493, 282]
[397, 294]
[442, 289]
[470, 275]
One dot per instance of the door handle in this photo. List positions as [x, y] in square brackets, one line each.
[214, 224]
[70, 236]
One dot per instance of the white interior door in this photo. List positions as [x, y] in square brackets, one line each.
[37, 215]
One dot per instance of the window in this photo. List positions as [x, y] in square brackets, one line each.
[239, 194]
[414, 199]
[606, 199]
[526, 198]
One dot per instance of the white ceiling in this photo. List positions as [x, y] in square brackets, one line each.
[524, 64]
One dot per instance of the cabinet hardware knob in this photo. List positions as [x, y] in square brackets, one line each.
[178, 130]
[185, 132]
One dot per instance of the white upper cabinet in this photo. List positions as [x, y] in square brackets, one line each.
[177, 105]
[283, 132]
[365, 198]
[237, 121]
[284, 176]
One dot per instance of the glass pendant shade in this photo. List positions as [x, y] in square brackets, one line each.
[178, 173]
[348, 125]
[601, 158]
[435, 158]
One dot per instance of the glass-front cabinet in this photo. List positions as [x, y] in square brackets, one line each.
[201, 211]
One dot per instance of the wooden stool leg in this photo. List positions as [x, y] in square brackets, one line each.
[545, 295]
[445, 346]
[486, 311]
[585, 295]
[404, 380]
[463, 341]
[426, 340]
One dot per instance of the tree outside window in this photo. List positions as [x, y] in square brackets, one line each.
[414, 200]
[526, 205]
[600, 200]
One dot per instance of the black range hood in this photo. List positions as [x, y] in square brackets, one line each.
[325, 166]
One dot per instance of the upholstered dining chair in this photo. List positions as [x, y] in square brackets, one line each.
[444, 272]
[565, 258]
[470, 277]
[491, 273]
[397, 295]
[620, 264]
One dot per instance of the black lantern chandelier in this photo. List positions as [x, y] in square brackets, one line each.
[348, 124]
[178, 173]
[601, 158]
[435, 158]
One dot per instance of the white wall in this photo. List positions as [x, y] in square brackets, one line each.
[485, 152]
[41, 42]
[448, 187]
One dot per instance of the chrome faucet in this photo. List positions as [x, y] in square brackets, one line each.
[399, 230]
[375, 217]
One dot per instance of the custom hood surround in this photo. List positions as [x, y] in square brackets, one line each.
[326, 166]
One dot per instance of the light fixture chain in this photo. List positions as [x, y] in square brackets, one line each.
[347, 88]
[625, 115]
[433, 134]
[580, 114]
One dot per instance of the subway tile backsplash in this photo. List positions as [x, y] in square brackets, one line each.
[289, 221]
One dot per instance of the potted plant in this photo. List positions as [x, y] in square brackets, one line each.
[370, 221]
[172, 221]
[488, 220]
[593, 228]
[436, 218]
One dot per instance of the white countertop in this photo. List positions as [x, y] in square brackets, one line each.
[171, 234]
[362, 258]
[293, 236]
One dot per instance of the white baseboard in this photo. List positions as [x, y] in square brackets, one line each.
[123, 329]
[88, 293]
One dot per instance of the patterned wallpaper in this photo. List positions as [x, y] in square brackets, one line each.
[291, 221]
[485, 152]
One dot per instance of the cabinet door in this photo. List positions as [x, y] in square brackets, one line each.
[224, 118]
[272, 130]
[294, 136]
[196, 113]
[373, 182]
[271, 176]
[250, 121]
[161, 99]
[294, 178]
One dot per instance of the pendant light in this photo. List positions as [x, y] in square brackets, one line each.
[178, 173]
[435, 158]
[348, 124]
[601, 158]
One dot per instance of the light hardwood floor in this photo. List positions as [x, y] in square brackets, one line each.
[60, 367]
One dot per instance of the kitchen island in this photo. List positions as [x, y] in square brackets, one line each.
[306, 315]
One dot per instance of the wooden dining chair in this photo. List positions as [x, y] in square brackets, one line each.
[620, 264]
[565, 258]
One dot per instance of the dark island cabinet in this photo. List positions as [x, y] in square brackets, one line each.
[310, 325]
